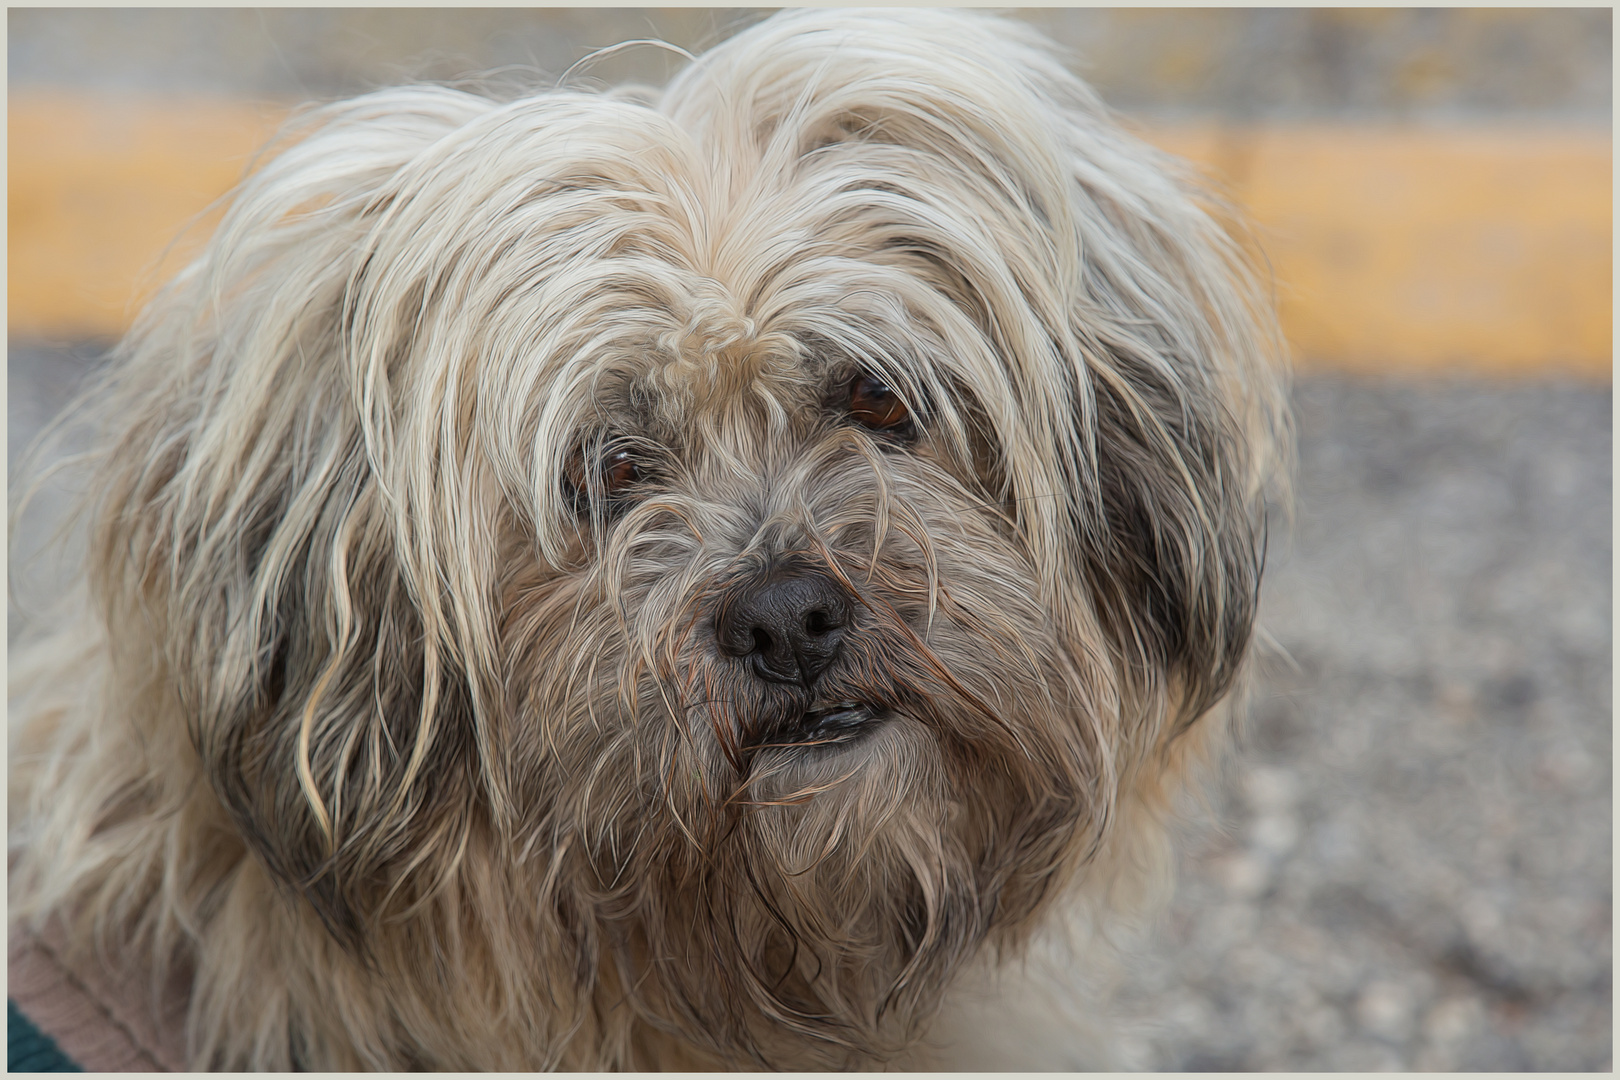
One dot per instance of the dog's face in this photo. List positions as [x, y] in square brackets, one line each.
[729, 554]
[799, 682]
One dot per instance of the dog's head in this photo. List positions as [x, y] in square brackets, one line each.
[733, 551]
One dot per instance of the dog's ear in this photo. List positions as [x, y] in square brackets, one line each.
[247, 537]
[345, 759]
[1173, 545]
[1181, 426]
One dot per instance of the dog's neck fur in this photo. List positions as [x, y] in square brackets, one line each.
[190, 903]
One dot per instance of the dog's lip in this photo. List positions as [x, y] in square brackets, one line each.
[825, 726]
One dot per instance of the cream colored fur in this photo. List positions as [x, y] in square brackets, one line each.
[385, 719]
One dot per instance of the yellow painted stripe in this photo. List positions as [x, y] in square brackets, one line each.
[99, 190]
[1416, 249]
[1394, 248]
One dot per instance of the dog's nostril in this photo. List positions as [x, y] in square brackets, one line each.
[762, 641]
[817, 622]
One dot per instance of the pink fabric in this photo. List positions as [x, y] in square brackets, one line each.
[104, 1022]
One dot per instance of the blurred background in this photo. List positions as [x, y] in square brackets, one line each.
[1412, 862]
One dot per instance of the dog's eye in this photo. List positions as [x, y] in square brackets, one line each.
[619, 471]
[615, 472]
[873, 404]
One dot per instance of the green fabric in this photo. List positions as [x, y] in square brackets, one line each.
[30, 1050]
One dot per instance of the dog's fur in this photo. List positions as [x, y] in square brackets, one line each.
[401, 720]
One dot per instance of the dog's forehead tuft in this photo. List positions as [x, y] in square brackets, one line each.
[715, 355]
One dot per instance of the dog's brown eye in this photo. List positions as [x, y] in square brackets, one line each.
[619, 471]
[616, 471]
[873, 404]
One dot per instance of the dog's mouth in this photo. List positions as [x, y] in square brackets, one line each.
[830, 725]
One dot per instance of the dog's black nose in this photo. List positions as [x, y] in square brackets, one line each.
[789, 627]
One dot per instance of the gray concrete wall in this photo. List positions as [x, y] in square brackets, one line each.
[1438, 63]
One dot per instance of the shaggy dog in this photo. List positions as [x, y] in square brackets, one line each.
[681, 579]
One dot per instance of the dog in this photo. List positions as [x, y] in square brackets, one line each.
[697, 578]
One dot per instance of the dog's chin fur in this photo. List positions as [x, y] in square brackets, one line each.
[399, 719]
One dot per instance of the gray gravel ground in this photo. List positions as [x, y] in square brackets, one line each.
[1414, 866]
